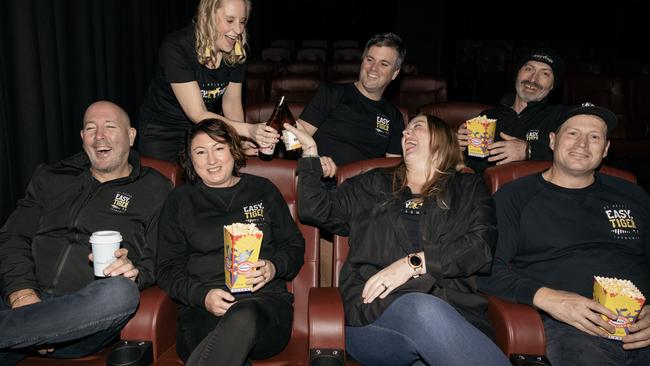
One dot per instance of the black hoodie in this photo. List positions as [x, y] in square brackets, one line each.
[533, 124]
[44, 243]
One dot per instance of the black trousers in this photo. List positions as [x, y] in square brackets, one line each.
[257, 327]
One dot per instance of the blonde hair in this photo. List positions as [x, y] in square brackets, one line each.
[442, 163]
[205, 32]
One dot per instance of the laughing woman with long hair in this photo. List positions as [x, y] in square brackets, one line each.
[420, 234]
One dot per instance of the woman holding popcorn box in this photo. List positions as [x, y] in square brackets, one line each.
[223, 318]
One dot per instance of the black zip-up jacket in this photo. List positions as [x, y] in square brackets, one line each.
[44, 243]
[533, 124]
[458, 242]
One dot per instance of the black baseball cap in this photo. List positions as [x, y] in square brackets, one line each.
[591, 109]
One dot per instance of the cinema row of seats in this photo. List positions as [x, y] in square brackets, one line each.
[412, 91]
[299, 82]
[318, 327]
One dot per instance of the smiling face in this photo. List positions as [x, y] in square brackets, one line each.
[416, 141]
[231, 18]
[534, 81]
[378, 69]
[212, 161]
[580, 144]
[107, 137]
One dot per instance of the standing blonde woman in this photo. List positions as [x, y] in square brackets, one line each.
[200, 74]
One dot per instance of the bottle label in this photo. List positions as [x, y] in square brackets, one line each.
[291, 142]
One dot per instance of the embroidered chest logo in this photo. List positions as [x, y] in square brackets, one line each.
[254, 212]
[621, 220]
[532, 135]
[121, 202]
[382, 127]
[412, 207]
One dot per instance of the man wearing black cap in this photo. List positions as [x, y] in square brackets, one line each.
[560, 228]
[524, 119]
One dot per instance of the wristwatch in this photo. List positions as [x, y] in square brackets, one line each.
[415, 261]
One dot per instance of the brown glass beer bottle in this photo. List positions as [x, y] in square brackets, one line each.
[282, 114]
[266, 152]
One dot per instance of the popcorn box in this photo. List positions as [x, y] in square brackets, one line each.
[242, 244]
[481, 133]
[621, 297]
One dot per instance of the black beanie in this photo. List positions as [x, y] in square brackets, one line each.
[547, 56]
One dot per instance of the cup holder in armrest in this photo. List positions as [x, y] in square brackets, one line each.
[131, 353]
[326, 357]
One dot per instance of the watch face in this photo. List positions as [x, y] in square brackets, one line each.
[415, 260]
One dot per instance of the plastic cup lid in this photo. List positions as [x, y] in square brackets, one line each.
[105, 237]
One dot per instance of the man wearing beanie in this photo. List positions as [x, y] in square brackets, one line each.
[524, 119]
[560, 228]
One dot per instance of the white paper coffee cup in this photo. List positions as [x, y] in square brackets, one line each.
[104, 244]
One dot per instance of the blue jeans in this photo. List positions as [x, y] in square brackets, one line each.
[421, 329]
[75, 325]
[566, 345]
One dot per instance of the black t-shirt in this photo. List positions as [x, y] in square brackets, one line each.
[352, 127]
[178, 63]
[410, 214]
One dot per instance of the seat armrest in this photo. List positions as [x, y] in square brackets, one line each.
[326, 319]
[155, 321]
[518, 327]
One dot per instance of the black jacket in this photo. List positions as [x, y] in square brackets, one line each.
[458, 242]
[533, 124]
[190, 258]
[44, 243]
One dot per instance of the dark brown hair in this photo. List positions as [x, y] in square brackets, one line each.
[390, 40]
[218, 131]
[443, 160]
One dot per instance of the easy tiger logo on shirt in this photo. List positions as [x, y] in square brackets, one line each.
[121, 202]
[621, 219]
[532, 135]
[210, 92]
[412, 207]
[254, 212]
[382, 126]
